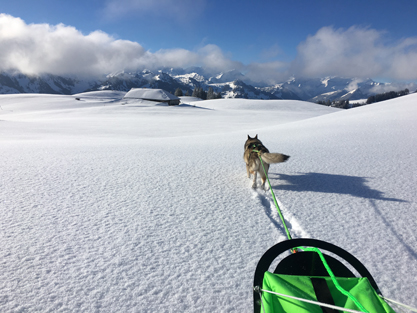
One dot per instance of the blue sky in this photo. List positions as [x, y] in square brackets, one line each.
[271, 39]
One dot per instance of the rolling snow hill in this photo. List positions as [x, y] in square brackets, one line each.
[109, 207]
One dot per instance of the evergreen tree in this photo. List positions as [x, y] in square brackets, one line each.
[210, 94]
[370, 100]
[387, 96]
[178, 92]
[202, 94]
[195, 92]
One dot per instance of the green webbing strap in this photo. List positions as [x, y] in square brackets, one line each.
[273, 196]
[335, 282]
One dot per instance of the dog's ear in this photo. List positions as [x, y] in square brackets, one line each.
[249, 137]
[256, 137]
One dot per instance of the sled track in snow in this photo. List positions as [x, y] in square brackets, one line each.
[271, 211]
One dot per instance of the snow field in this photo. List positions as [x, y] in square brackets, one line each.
[122, 208]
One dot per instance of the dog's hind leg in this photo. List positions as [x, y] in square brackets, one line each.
[263, 176]
[254, 179]
[247, 170]
[263, 183]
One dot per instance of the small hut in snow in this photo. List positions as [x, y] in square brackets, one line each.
[158, 95]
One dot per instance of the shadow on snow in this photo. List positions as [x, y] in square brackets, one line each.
[329, 183]
[340, 184]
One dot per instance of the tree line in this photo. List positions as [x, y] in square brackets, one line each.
[341, 104]
[387, 95]
[345, 104]
[199, 92]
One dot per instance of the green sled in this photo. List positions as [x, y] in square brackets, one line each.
[303, 275]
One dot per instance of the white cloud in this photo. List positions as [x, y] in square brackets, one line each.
[61, 49]
[213, 58]
[268, 72]
[354, 84]
[356, 52]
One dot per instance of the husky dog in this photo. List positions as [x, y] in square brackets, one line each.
[253, 149]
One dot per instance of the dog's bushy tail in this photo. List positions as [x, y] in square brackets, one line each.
[272, 158]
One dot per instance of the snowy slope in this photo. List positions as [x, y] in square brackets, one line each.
[107, 207]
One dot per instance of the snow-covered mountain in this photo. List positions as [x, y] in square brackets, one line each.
[231, 84]
[11, 82]
[330, 88]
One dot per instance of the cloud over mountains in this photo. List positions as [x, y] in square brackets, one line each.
[61, 49]
[356, 52]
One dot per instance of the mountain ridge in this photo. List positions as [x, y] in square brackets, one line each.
[231, 84]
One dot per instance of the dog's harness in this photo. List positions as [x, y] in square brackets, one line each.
[259, 151]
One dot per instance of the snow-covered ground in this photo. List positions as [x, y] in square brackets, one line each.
[360, 101]
[108, 206]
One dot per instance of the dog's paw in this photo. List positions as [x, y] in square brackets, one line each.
[254, 186]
